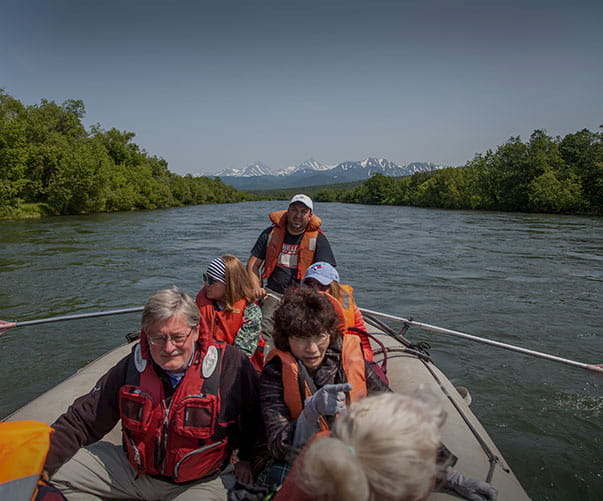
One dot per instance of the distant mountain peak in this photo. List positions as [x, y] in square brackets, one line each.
[313, 173]
[255, 169]
[310, 165]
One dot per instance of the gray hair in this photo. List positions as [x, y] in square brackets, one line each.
[384, 447]
[166, 303]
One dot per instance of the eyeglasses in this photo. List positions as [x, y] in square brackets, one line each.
[209, 280]
[176, 339]
[319, 339]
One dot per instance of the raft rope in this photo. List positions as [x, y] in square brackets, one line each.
[493, 459]
[591, 367]
[420, 350]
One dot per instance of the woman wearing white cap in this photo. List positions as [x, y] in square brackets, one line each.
[324, 277]
[227, 305]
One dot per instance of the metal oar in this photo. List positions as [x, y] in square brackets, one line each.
[4, 326]
[435, 328]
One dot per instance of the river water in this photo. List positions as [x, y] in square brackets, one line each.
[530, 280]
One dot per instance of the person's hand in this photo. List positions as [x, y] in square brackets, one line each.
[242, 470]
[327, 401]
[4, 326]
[259, 292]
[468, 488]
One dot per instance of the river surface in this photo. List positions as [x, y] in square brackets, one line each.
[530, 280]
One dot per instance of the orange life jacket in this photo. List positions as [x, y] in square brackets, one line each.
[183, 441]
[307, 246]
[223, 325]
[347, 304]
[23, 449]
[353, 368]
[347, 307]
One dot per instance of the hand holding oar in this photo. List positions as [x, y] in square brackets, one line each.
[591, 367]
[4, 326]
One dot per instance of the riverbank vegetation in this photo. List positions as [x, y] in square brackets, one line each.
[545, 174]
[51, 165]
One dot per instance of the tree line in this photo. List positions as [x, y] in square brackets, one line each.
[544, 174]
[51, 165]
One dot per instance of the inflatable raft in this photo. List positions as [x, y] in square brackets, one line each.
[408, 368]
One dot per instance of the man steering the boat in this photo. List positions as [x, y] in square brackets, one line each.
[186, 402]
[282, 254]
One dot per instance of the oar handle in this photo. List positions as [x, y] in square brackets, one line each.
[491, 342]
[4, 326]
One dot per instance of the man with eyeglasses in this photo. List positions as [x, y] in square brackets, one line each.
[185, 401]
[282, 254]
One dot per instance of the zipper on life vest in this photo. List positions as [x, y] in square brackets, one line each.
[162, 439]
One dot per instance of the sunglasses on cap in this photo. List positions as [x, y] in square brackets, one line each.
[209, 280]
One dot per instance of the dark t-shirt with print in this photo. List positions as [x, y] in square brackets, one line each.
[285, 272]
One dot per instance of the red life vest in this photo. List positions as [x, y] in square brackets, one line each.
[223, 325]
[181, 439]
[353, 368]
[307, 246]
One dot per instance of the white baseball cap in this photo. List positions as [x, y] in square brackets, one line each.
[304, 199]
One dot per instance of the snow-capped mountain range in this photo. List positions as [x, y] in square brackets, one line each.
[312, 172]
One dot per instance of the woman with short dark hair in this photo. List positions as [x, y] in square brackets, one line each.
[313, 372]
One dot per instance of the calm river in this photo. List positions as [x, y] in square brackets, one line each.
[530, 280]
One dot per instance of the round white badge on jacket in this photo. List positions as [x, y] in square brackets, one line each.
[139, 362]
[210, 360]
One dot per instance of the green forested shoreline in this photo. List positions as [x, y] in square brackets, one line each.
[51, 165]
[552, 175]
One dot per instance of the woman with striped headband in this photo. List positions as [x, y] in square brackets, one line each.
[227, 303]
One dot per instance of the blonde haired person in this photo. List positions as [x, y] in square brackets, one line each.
[384, 448]
[227, 304]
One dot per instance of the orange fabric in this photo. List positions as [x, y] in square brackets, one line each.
[347, 304]
[23, 449]
[353, 318]
[223, 325]
[307, 246]
[353, 367]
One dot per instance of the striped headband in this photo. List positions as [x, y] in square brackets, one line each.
[217, 270]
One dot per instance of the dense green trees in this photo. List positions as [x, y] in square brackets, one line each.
[543, 175]
[50, 164]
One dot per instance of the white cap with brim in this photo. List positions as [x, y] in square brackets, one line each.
[304, 199]
[322, 272]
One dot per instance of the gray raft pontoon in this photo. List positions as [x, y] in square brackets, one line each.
[407, 369]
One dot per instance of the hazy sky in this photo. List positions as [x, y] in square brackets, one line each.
[209, 85]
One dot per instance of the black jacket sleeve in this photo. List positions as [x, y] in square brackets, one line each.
[240, 402]
[323, 250]
[88, 419]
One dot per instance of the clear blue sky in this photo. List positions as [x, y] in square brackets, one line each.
[210, 85]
